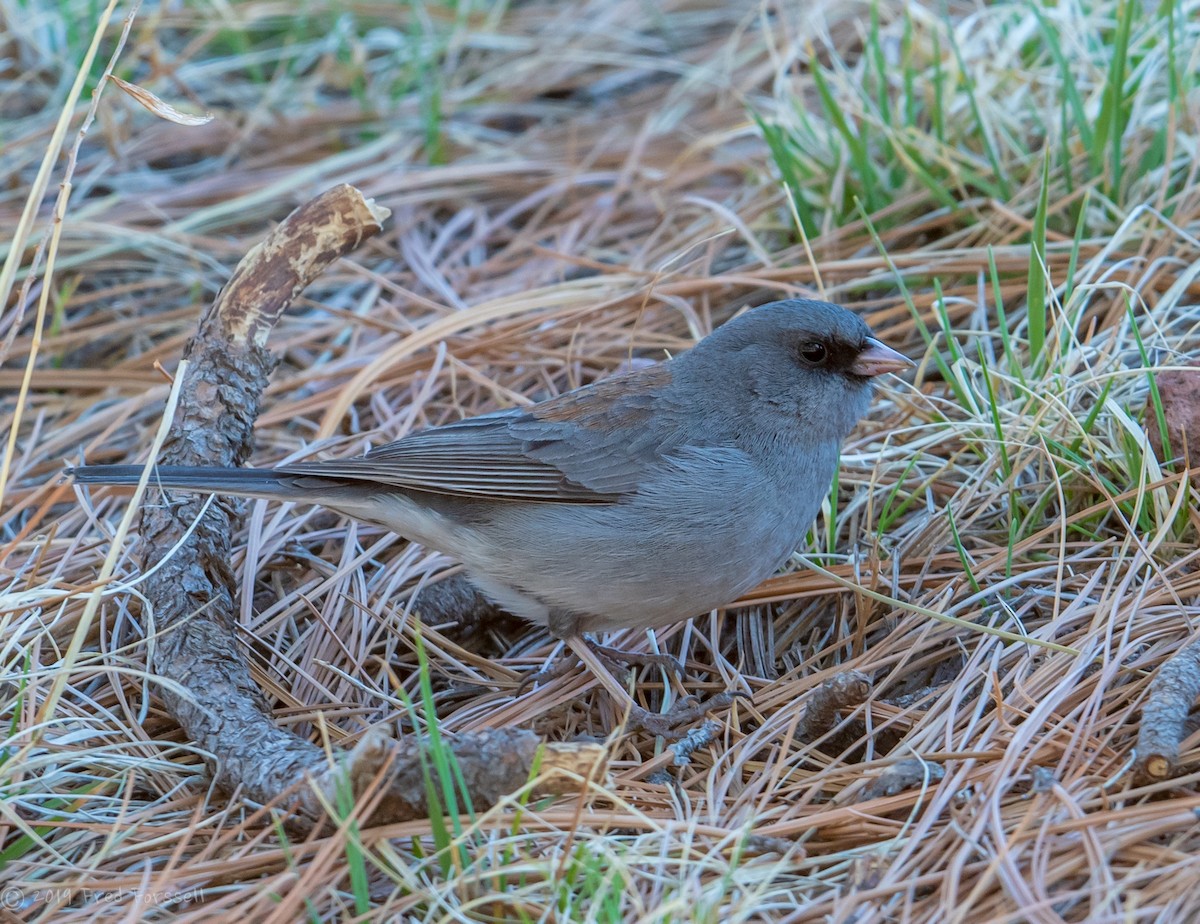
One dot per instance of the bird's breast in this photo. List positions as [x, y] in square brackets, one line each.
[700, 532]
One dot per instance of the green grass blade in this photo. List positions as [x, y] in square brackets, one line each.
[1036, 316]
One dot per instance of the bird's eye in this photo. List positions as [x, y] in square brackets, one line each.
[814, 353]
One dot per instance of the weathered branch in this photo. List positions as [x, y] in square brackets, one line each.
[1173, 692]
[192, 590]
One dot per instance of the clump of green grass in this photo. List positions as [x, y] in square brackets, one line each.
[1021, 112]
[1011, 102]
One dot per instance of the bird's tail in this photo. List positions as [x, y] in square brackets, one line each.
[243, 482]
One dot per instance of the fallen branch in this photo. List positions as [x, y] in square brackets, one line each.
[192, 591]
[1173, 693]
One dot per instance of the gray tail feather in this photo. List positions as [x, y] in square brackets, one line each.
[245, 482]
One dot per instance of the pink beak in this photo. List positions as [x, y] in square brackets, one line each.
[879, 358]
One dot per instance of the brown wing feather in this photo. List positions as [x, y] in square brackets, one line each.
[591, 446]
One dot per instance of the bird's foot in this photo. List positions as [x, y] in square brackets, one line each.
[564, 666]
[611, 658]
[602, 661]
[685, 712]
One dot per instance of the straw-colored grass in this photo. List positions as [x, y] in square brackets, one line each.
[1008, 191]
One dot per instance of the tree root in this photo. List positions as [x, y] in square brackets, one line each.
[192, 591]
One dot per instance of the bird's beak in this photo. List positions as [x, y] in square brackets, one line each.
[879, 358]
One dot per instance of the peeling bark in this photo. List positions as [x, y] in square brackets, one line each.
[192, 591]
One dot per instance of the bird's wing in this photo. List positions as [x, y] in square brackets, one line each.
[591, 446]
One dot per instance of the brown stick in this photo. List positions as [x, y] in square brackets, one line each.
[192, 590]
[1172, 694]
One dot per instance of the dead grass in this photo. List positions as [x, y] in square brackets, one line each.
[575, 185]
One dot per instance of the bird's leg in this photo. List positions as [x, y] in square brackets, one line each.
[565, 626]
[615, 656]
[665, 724]
[564, 666]
[604, 662]
[610, 658]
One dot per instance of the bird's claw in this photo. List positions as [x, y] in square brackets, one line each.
[686, 711]
[614, 656]
[564, 666]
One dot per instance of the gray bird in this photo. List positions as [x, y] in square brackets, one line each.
[638, 501]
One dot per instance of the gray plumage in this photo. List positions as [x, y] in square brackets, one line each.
[640, 500]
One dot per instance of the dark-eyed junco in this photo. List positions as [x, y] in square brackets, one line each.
[638, 501]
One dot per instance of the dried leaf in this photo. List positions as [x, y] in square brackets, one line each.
[160, 108]
[1179, 392]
